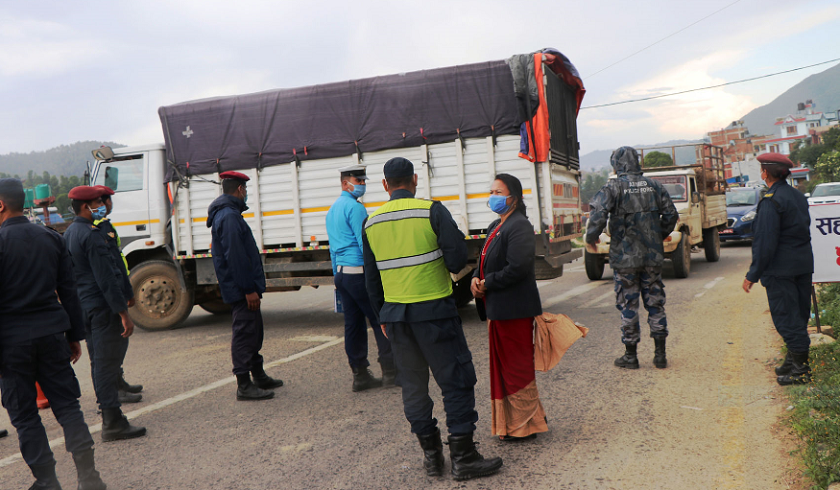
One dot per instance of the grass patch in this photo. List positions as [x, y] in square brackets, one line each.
[816, 416]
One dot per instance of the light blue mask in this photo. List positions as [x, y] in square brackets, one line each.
[100, 212]
[498, 204]
[358, 190]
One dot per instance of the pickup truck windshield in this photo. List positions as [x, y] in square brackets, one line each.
[675, 185]
[741, 198]
[826, 190]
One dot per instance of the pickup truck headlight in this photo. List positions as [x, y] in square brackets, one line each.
[748, 217]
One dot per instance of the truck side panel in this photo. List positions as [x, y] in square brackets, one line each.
[714, 212]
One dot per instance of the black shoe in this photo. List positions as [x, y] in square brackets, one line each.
[467, 462]
[246, 390]
[263, 380]
[86, 469]
[659, 359]
[363, 379]
[116, 427]
[4, 433]
[432, 452]
[389, 375]
[123, 385]
[517, 439]
[45, 478]
[800, 371]
[126, 397]
[629, 359]
[786, 366]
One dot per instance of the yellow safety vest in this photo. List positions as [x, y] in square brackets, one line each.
[410, 263]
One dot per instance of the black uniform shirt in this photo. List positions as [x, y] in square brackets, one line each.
[113, 239]
[782, 241]
[454, 248]
[97, 274]
[35, 274]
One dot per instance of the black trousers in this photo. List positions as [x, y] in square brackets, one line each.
[438, 345]
[106, 348]
[356, 304]
[247, 339]
[789, 298]
[47, 361]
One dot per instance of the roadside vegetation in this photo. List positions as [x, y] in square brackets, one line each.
[823, 159]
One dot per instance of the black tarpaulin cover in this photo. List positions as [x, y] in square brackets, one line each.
[339, 119]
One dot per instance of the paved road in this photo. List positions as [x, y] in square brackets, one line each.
[608, 428]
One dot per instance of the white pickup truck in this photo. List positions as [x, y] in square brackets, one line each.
[162, 220]
[699, 194]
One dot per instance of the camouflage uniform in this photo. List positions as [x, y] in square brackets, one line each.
[641, 215]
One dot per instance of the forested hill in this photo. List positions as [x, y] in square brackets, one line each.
[62, 160]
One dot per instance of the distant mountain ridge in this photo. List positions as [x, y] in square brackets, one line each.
[67, 160]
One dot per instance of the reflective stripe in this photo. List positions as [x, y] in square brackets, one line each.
[398, 215]
[410, 261]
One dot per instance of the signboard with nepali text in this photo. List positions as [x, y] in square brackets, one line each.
[825, 241]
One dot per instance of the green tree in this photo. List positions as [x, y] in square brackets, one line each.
[592, 183]
[808, 154]
[828, 166]
[657, 159]
[831, 138]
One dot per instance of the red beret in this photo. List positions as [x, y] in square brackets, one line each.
[84, 193]
[774, 159]
[234, 175]
[106, 191]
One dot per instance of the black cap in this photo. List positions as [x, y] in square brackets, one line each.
[398, 167]
[11, 187]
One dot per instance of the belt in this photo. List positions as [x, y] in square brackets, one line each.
[351, 269]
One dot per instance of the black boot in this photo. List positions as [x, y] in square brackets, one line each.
[363, 379]
[116, 427]
[126, 397]
[433, 452]
[389, 374]
[246, 390]
[629, 359]
[800, 370]
[263, 380]
[785, 367]
[467, 462]
[86, 469]
[123, 385]
[659, 359]
[45, 478]
[4, 433]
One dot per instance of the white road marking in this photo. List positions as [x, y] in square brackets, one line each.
[595, 302]
[708, 286]
[190, 394]
[541, 284]
[576, 269]
[572, 293]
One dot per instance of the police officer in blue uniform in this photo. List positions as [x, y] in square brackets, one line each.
[425, 334]
[128, 393]
[783, 261]
[344, 228]
[105, 304]
[239, 270]
[41, 325]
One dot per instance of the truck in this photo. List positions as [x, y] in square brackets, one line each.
[698, 191]
[459, 125]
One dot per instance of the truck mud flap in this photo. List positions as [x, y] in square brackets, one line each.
[559, 260]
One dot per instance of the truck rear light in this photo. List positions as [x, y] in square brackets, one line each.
[149, 243]
[668, 238]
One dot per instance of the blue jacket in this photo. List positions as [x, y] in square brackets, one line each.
[98, 276]
[236, 257]
[344, 229]
[38, 291]
[782, 235]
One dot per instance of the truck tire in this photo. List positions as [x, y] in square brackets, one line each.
[161, 302]
[594, 264]
[681, 257]
[461, 291]
[544, 271]
[216, 307]
[711, 244]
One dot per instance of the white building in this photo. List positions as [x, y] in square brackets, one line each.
[795, 127]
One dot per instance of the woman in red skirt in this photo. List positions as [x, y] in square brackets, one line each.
[505, 281]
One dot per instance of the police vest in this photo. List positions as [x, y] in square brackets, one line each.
[410, 263]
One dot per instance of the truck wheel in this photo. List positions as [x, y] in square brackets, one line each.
[216, 307]
[161, 303]
[594, 264]
[711, 244]
[461, 291]
[681, 257]
[543, 270]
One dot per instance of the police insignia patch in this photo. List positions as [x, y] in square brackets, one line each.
[111, 234]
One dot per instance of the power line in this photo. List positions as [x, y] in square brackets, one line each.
[710, 86]
[663, 39]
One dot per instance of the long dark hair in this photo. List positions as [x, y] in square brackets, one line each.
[515, 188]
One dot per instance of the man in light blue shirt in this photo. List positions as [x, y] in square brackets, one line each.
[344, 228]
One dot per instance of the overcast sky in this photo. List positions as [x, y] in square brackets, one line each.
[98, 70]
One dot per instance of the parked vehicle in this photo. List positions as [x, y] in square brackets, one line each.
[827, 193]
[741, 205]
[291, 144]
[698, 192]
[38, 216]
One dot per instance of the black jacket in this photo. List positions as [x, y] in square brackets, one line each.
[235, 254]
[509, 271]
[98, 276]
[38, 290]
